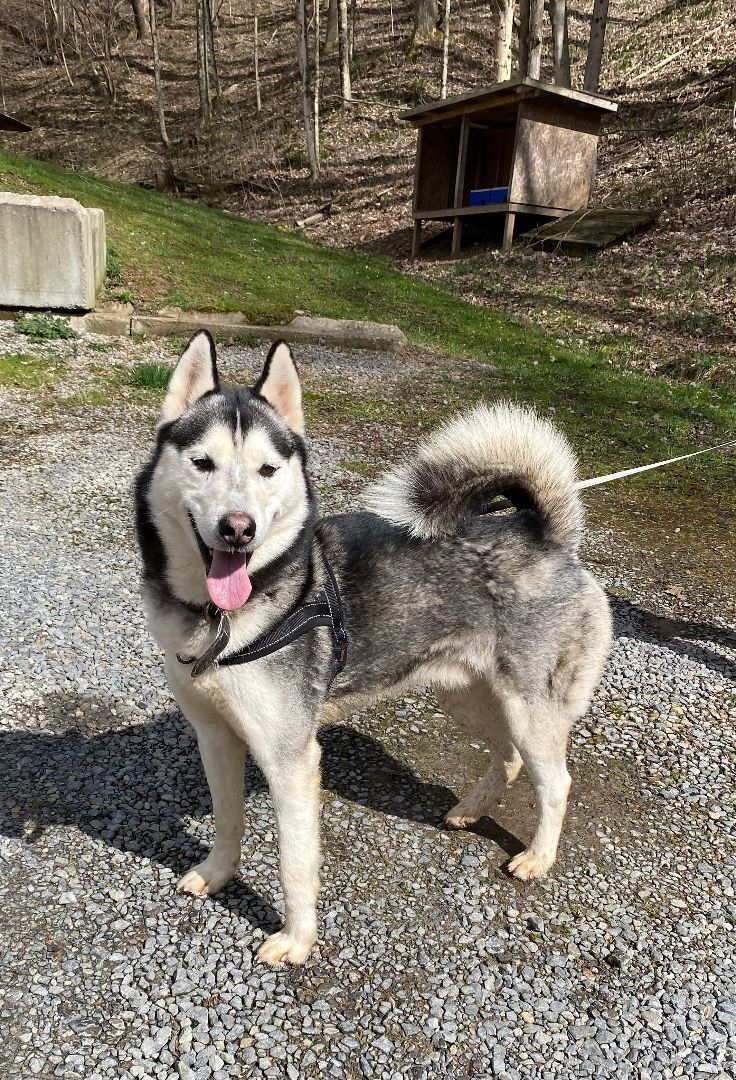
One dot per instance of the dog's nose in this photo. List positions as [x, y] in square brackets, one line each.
[237, 528]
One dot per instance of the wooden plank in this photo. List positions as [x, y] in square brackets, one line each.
[591, 230]
[457, 237]
[492, 208]
[9, 123]
[508, 232]
[576, 98]
[416, 240]
[554, 157]
[417, 167]
[468, 109]
[462, 157]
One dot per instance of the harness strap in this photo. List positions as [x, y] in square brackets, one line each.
[324, 610]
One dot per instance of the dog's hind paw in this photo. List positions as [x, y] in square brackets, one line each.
[283, 948]
[530, 864]
[204, 879]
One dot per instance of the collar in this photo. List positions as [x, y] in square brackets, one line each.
[325, 609]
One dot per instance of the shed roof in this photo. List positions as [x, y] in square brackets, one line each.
[500, 93]
[9, 123]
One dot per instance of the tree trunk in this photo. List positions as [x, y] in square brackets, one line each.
[304, 72]
[140, 14]
[504, 33]
[316, 87]
[203, 66]
[425, 21]
[595, 45]
[351, 28]
[255, 56]
[445, 47]
[560, 43]
[345, 89]
[157, 75]
[534, 39]
[210, 39]
[523, 37]
[331, 35]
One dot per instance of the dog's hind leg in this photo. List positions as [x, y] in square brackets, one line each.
[294, 782]
[223, 757]
[481, 714]
[540, 732]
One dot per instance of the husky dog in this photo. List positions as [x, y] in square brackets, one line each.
[493, 610]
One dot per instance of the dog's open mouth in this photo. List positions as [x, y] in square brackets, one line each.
[227, 574]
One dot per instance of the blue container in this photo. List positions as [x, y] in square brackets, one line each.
[483, 196]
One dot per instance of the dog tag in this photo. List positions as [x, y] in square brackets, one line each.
[208, 658]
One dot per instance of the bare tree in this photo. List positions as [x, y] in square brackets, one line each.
[255, 55]
[504, 34]
[157, 74]
[536, 11]
[445, 47]
[303, 55]
[331, 36]
[345, 88]
[203, 66]
[595, 45]
[560, 42]
[523, 37]
[316, 87]
[140, 14]
[425, 21]
[351, 27]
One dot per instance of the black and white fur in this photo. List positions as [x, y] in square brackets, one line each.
[495, 611]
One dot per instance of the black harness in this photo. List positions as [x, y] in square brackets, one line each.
[324, 610]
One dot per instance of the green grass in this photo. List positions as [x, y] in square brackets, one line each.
[25, 372]
[172, 251]
[151, 376]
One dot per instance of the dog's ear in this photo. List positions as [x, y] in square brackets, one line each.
[194, 375]
[279, 385]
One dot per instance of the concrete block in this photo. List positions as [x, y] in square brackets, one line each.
[52, 252]
[348, 333]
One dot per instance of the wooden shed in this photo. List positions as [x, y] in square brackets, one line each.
[519, 148]
[9, 123]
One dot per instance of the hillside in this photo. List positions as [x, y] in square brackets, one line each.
[662, 302]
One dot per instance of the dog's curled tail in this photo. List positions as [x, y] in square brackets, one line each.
[503, 450]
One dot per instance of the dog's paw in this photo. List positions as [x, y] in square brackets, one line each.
[457, 820]
[283, 948]
[206, 878]
[530, 864]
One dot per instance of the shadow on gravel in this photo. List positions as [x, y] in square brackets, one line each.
[680, 635]
[358, 769]
[131, 786]
[134, 787]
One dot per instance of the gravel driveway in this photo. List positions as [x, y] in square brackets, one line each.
[432, 961]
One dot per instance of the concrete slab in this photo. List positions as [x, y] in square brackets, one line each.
[52, 252]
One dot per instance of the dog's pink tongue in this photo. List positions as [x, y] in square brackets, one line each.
[227, 582]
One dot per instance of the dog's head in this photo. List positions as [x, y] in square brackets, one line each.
[227, 483]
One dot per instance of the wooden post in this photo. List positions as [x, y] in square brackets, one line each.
[416, 240]
[508, 231]
[462, 155]
[457, 236]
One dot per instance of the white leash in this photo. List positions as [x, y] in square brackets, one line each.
[596, 480]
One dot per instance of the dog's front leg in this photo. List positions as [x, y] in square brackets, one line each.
[223, 757]
[294, 782]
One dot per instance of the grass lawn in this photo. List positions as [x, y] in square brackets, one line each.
[169, 251]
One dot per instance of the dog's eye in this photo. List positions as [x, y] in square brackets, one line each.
[267, 470]
[204, 464]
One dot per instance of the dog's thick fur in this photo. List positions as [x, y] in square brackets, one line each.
[493, 610]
